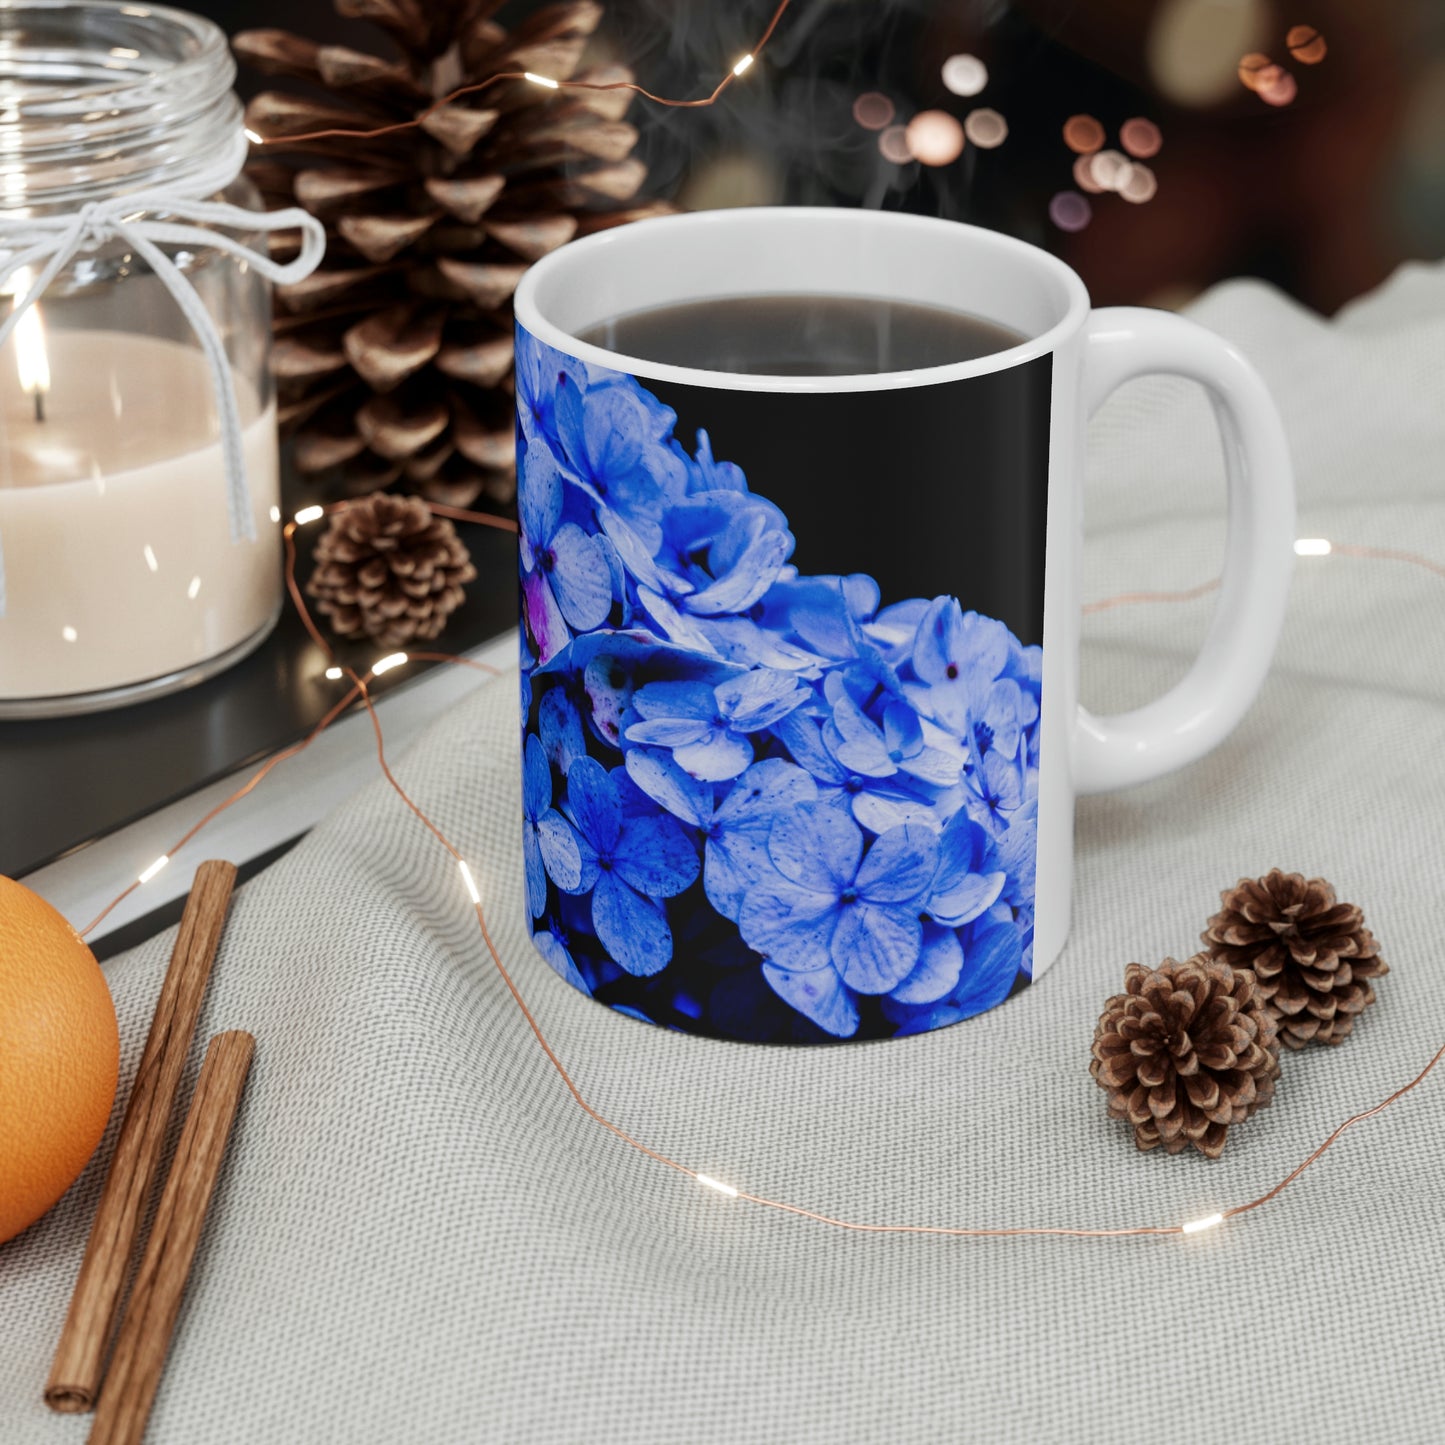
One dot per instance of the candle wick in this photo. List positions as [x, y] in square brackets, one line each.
[39, 403]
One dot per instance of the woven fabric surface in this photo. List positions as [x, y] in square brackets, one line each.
[418, 1236]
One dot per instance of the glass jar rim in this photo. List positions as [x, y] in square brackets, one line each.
[103, 97]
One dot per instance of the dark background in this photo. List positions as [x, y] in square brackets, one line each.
[1324, 196]
[825, 460]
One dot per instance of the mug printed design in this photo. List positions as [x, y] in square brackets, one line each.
[758, 804]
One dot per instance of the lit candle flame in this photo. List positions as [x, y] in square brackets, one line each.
[31, 359]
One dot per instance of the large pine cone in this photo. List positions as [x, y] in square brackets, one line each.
[394, 360]
[388, 570]
[1187, 1050]
[1313, 956]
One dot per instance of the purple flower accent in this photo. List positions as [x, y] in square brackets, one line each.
[704, 727]
[633, 856]
[549, 846]
[566, 579]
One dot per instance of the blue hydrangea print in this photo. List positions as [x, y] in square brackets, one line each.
[758, 804]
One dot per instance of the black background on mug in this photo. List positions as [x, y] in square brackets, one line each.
[928, 489]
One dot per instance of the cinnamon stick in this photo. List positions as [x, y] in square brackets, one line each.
[75, 1372]
[155, 1300]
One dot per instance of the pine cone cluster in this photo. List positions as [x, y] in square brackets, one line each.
[1312, 955]
[394, 360]
[1187, 1050]
[387, 569]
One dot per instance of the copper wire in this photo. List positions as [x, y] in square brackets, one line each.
[347, 133]
[360, 690]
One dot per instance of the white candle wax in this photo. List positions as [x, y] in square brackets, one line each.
[119, 562]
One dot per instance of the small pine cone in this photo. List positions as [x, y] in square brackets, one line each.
[1313, 957]
[387, 569]
[1185, 1051]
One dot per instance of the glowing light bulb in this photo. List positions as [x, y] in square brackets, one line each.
[256, 140]
[309, 514]
[155, 868]
[333, 674]
[742, 64]
[469, 880]
[1313, 547]
[1197, 1226]
[385, 664]
[711, 1183]
[543, 80]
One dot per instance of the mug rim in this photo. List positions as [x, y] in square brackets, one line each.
[529, 313]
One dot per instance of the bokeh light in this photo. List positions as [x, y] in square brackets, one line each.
[965, 74]
[1306, 44]
[1279, 88]
[894, 145]
[1110, 169]
[1252, 66]
[1070, 211]
[985, 128]
[1193, 46]
[934, 137]
[1140, 185]
[873, 110]
[1084, 175]
[1083, 134]
[1140, 137]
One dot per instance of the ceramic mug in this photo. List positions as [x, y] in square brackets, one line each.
[801, 737]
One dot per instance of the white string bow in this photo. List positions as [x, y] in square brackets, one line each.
[52, 242]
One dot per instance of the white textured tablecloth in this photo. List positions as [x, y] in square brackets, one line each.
[418, 1237]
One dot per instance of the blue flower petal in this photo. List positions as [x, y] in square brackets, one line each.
[535, 872]
[633, 929]
[737, 844]
[900, 866]
[592, 798]
[539, 501]
[560, 727]
[759, 698]
[940, 961]
[802, 736]
[536, 779]
[790, 924]
[670, 732]
[581, 579]
[676, 699]
[655, 856]
[561, 855]
[819, 996]
[550, 947]
[816, 847]
[716, 758]
[991, 960]
[654, 771]
[875, 946]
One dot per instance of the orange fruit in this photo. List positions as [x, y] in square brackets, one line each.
[59, 1056]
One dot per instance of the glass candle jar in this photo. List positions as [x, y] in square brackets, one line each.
[126, 576]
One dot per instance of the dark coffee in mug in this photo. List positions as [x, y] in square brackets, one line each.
[802, 335]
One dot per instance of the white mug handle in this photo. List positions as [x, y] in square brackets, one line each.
[1200, 711]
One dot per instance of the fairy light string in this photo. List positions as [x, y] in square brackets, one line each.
[359, 691]
[545, 82]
